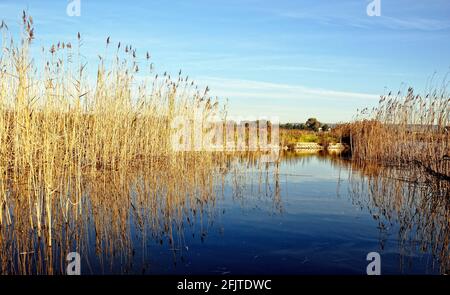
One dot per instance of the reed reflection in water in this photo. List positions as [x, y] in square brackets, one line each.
[103, 215]
[418, 203]
[237, 216]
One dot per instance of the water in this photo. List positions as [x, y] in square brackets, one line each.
[314, 214]
[312, 227]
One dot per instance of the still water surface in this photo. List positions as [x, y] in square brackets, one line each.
[311, 215]
[308, 214]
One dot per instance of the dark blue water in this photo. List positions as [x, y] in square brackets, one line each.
[301, 218]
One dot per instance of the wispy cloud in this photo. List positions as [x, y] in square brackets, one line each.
[422, 24]
[254, 63]
[317, 57]
[337, 16]
[257, 89]
[288, 102]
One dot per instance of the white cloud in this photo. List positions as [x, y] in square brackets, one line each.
[291, 103]
[258, 89]
[330, 17]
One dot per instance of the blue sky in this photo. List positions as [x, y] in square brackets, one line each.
[292, 59]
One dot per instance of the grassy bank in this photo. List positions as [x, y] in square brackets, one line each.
[290, 137]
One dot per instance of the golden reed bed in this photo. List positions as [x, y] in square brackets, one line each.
[80, 155]
[57, 125]
[406, 129]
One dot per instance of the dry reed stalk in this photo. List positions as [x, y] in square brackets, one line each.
[405, 130]
[55, 126]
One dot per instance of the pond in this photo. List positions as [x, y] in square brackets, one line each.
[309, 214]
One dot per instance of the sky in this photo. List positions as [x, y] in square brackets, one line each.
[288, 59]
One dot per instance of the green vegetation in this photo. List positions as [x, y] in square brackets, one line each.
[309, 137]
[290, 137]
[312, 124]
[310, 131]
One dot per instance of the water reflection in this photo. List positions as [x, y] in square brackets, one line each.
[413, 200]
[235, 217]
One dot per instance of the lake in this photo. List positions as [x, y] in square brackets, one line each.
[309, 214]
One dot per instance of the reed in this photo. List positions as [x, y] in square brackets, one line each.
[404, 130]
[58, 125]
[82, 157]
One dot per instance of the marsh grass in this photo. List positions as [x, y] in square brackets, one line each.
[56, 127]
[80, 157]
[406, 129]
[402, 147]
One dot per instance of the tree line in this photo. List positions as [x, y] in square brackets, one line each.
[312, 124]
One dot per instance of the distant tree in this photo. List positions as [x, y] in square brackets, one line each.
[325, 127]
[288, 126]
[313, 124]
